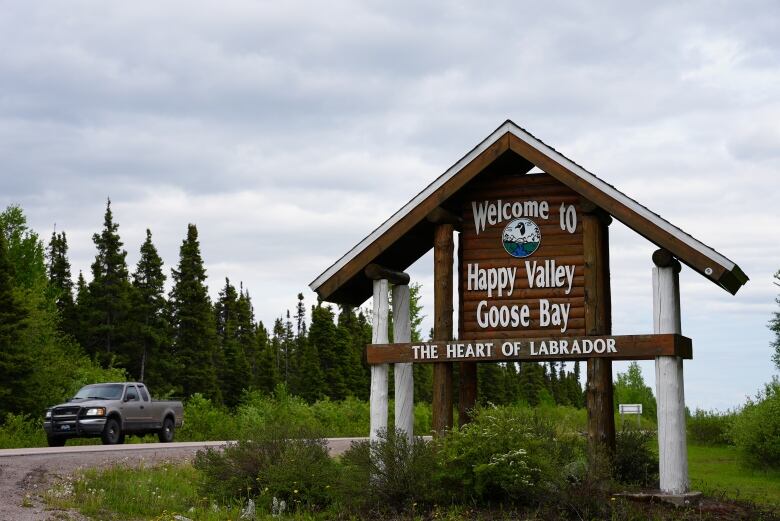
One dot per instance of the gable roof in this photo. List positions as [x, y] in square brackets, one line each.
[407, 235]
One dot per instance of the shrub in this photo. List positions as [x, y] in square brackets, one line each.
[756, 429]
[635, 463]
[507, 455]
[21, 430]
[391, 473]
[280, 462]
[204, 421]
[710, 427]
[257, 411]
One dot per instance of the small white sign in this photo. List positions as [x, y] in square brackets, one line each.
[630, 408]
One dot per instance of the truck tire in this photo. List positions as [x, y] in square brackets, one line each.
[165, 435]
[56, 441]
[112, 432]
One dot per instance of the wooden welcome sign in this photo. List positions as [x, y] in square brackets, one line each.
[521, 259]
[533, 281]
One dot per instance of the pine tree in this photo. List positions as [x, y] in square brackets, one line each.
[246, 334]
[307, 376]
[15, 363]
[531, 382]
[265, 370]
[356, 332]
[234, 373]
[279, 347]
[61, 283]
[109, 297]
[152, 360]
[577, 396]
[333, 350]
[82, 309]
[490, 384]
[194, 332]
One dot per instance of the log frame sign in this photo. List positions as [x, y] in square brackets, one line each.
[534, 285]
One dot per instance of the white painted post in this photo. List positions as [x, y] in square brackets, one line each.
[404, 380]
[378, 401]
[670, 393]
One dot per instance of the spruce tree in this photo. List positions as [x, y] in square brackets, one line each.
[307, 381]
[194, 332]
[490, 384]
[265, 369]
[333, 350]
[150, 347]
[355, 330]
[61, 283]
[15, 363]
[531, 382]
[577, 396]
[82, 309]
[234, 372]
[109, 297]
[278, 346]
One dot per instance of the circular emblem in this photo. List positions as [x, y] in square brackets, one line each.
[521, 237]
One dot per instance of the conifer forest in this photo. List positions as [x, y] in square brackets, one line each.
[60, 330]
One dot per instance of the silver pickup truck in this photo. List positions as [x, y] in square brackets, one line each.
[111, 411]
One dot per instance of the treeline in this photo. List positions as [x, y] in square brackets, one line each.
[180, 342]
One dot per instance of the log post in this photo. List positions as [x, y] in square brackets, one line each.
[467, 371]
[404, 380]
[442, 324]
[379, 372]
[598, 321]
[670, 392]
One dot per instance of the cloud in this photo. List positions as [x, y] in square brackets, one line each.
[288, 131]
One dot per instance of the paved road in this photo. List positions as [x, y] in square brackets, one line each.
[28, 472]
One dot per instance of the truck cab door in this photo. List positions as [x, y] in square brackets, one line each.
[149, 413]
[132, 409]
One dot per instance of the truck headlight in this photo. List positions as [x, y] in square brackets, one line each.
[48, 414]
[96, 411]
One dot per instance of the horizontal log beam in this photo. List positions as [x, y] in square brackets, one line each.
[377, 272]
[543, 349]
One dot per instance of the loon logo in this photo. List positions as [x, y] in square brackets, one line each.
[521, 237]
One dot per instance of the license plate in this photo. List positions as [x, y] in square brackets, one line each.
[64, 427]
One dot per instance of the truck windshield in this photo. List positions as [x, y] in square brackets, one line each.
[105, 392]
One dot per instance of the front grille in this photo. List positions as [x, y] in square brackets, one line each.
[66, 411]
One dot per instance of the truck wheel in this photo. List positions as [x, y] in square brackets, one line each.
[111, 432]
[56, 441]
[166, 433]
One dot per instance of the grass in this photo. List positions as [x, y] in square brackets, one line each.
[717, 470]
[160, 492]
[119, 492]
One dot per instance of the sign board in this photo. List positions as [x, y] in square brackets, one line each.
[618, 347]
[630, 408]
[521, 259]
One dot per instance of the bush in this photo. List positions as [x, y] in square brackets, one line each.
[512, 454]
[391, 473]
[204, 421]
[635, 463]
[282, 462]
[21, 430]
[710, 427]
[756, 429]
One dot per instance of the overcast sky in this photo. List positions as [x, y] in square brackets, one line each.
[287, 131]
